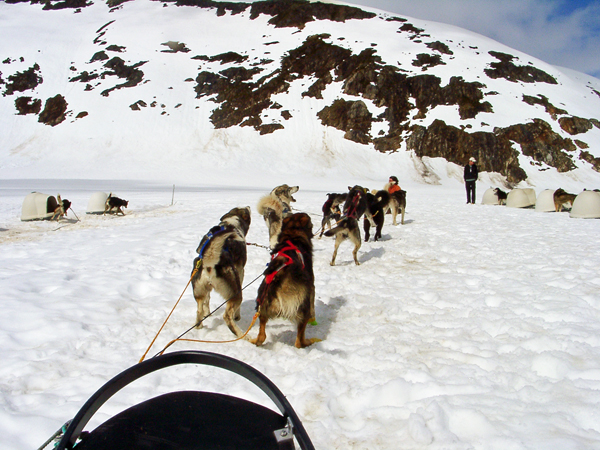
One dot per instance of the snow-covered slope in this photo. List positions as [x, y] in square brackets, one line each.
[160, 129]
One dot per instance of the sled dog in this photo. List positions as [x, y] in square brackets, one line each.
[288, 289]
[397, 204]
[501, 195]
[61, 209]
[115, 203]
[347, 227]
[561, 198]
[377, 203]
[220, 266]
[331, 210]
[275, 207]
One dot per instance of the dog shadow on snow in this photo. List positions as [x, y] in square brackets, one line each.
[279, 330]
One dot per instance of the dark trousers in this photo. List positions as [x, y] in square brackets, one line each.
[470, 185]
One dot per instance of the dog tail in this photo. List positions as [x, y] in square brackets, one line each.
[267, 202]
[382, 199]
[340, 226]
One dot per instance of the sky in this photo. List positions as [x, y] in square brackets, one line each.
[561, 32]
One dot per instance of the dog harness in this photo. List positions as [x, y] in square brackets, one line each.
[214, 231]
[353, 206]
[271, 276]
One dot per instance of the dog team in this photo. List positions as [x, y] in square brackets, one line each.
[288, 288]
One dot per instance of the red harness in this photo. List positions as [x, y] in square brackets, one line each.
[354, 205]
[289, 260]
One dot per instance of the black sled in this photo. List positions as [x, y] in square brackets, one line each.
[189, 419]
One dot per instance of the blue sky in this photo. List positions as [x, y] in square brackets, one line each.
[561, 32]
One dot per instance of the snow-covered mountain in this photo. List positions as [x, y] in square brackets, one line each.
[197, 90]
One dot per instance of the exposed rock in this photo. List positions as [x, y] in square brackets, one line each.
[510, 71]
[353, 117]
[175, 47]
[426, 61]
[588, 157]
[492, 152]
[54, 111]
[118, 67]
[23, 81]
[575, 125]
[27, 105]
[542, 100]
[581, 144]
[440, 47]
[540, 142]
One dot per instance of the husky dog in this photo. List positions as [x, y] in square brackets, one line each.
[397, 204]
[501, 195]
[377, 203]
[347, 228]
[220, 266]
[275, 207]
[115, 203]
[331, 210]
[61, 208]
[561, 198]
[288, 290]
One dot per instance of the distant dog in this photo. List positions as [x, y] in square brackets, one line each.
[377, 203]
[347, 227]
[220, 266]
[115, 203]
[288, 290]
[561, 198]
[275, 207]
[397, 204]
[61, 208]
[331, 210]
[501, 196]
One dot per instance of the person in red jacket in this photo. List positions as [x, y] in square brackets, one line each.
[392, 186]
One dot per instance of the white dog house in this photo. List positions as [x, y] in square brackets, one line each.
[545, 201]
[586, 205]
[38, 206]
[96, 203]
[521, 198]
[489, 197]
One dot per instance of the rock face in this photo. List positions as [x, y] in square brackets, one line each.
[243, 90]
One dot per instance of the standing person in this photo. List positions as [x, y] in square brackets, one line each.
[470, 177]
[392, 185]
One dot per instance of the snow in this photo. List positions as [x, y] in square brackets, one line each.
[469, 327]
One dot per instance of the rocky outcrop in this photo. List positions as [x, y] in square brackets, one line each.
[27, 105]
[511, 72]
[353, 117]
[23, 81]
[54, 111]
[543, 101]
[575, 125]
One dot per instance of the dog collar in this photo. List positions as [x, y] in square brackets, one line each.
[208, 237]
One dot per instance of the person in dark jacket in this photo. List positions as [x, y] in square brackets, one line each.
[470, 177]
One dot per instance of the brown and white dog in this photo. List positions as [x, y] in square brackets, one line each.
[561, 198]
[397, 204]
[61, 209]
[275, 207]
[115, 204]
[355, 206]
[220, 266]
[288, 289]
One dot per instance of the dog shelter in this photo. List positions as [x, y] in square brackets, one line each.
[586, 205]
[490, 197]
[96, 203]
[545, 201]
[38, 206]
[521, 198]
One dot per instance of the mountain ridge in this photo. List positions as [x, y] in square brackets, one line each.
[428, 103]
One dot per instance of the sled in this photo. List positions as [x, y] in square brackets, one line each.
[189, 419]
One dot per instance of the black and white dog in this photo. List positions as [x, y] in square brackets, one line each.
[220, 266]
[331, 210]
[116, 204]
